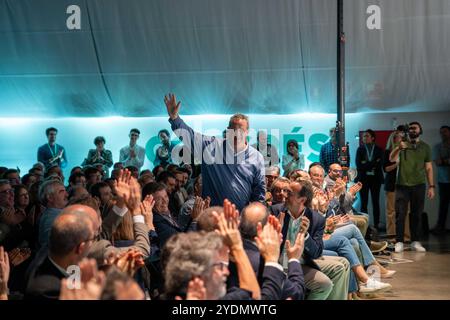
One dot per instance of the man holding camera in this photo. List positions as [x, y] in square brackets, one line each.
[414, 170]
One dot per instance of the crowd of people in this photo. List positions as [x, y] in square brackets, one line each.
[230, 228]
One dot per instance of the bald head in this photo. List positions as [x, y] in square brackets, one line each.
[251, 215]
[86, 210]
[71, 228]
[335, 171]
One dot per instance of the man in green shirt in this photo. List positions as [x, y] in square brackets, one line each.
[414, 170]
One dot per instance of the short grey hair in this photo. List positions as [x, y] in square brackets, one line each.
[192, 256]
[47, 188]
[279, 180]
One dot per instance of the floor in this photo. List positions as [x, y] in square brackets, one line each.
[427, 277]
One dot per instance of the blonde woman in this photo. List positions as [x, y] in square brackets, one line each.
[390, 169]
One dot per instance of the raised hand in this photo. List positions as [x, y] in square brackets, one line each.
[230, 211]
[295, 251]
[4, 274]
[228, 229]
[147, 211]
[172, 106]
[276, 224]
[197, 209]
[268, 242]
[121, 186]
[134, 201]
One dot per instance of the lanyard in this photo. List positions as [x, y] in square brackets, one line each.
[369, 154]
[51, 151]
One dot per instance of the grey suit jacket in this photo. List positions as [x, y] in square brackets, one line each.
[103, 248]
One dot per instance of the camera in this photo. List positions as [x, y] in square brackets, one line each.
[404, 129]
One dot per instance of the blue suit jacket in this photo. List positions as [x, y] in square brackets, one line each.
[164, 228]
[314, 243]
[294, 284]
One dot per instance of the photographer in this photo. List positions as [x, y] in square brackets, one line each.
[414, 170]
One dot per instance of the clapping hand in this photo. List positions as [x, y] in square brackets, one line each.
[121, 187]
[19, 255]
[4, 273]
[305, 225]
[128, 191]
[196, 290]
[197, 209]
[147, 211]
[228, 226]
[91, 286]
[354, 189]
[295, 251]
[268, 242]
[339, 187]
[128, 262]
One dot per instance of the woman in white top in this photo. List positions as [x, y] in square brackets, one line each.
[293, 160]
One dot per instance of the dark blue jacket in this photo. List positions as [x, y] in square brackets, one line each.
[294, 284]
[314, 243]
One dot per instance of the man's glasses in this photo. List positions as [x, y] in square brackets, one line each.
[280, 190]
[7, 191]
[221, 265]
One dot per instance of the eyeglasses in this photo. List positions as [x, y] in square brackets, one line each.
[280, 190]
[221, 265]
[135, 135]
[7, 191]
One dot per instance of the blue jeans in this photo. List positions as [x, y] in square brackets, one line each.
[350, 232]
[339, 245]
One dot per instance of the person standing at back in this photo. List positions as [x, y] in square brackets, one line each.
[52, 153]
[133, 154]
[369, 161]
[414, 171]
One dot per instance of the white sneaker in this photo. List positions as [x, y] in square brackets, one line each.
[388, 274]
[417, 246]
[373, 285]
[399, 247]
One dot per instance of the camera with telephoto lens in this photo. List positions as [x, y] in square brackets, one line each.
[404, 129]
